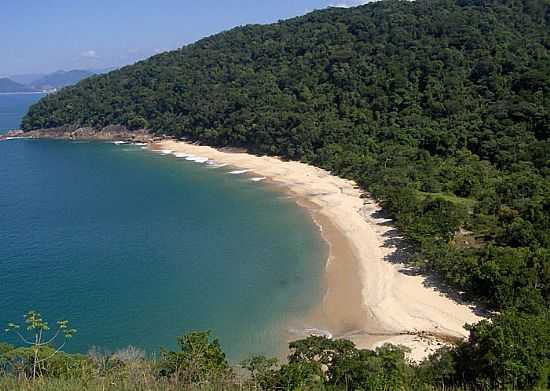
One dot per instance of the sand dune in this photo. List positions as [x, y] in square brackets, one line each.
[370, 296]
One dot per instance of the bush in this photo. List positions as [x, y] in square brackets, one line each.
[511, 351]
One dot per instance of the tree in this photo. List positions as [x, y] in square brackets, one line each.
[199, 358]
[511, 351]
[38, 338]
[262, 371]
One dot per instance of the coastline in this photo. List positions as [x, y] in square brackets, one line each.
[370, 297]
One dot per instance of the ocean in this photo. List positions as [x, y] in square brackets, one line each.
[136, 248]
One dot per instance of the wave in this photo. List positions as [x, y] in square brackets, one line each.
[197, 159]
[165, 151]
[213, 164]
[258, 179]
[14, 138]
[238, 172]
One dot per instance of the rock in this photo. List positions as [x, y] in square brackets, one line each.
[108, 133]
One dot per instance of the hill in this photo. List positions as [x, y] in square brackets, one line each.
[8, 85]
[60, 79]
[26, 78]
[439, 108]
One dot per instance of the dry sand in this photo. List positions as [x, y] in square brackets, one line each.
[370, 297]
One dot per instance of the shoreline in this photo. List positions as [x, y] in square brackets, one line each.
[370, 298]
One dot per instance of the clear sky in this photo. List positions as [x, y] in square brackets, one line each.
[39, 36]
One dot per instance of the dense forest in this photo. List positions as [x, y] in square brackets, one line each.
[439, 109]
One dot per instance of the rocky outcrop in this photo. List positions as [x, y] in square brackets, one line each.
[11, 134]
[108, 133]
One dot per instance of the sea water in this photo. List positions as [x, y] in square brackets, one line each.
[137, 248]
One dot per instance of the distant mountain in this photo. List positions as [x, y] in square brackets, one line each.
[60, 79]
[100, 71]
[8, 85]
[26, 78]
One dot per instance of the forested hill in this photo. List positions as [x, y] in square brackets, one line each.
[439, 108]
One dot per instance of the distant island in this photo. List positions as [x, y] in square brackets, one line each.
[60, 79]
[50, 82]
[9, 86]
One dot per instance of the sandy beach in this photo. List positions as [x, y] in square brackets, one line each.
[371, 298]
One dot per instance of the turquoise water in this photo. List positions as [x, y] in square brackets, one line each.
[137, 248]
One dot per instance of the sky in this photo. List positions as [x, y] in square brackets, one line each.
[41, 36]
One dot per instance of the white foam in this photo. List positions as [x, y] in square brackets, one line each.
[14, 138]
[215, 165]
[196, 159]
[258, 179]
[238, 172]
[181, 155]
[165, 151]
[119, 142]
[139, 144]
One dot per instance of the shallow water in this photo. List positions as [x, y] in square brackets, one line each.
[134, 247]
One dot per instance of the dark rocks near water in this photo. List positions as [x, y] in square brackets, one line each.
[108, 133]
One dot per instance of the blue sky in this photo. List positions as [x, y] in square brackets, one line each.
[39, 36]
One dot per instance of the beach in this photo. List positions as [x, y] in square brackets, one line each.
[371, 297]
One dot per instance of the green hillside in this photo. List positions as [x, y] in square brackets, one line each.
[448, 99]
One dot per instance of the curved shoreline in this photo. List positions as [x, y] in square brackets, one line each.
[370, 298]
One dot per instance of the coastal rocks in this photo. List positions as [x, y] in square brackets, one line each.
[108, 133]
[11, 134]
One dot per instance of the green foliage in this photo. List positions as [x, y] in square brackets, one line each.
[511, 351]
[262, 371]
[440, 368]
[40, 355]
[379, 369]
[508, 353]
[199, 358]
[318, 361]
[20, 362]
